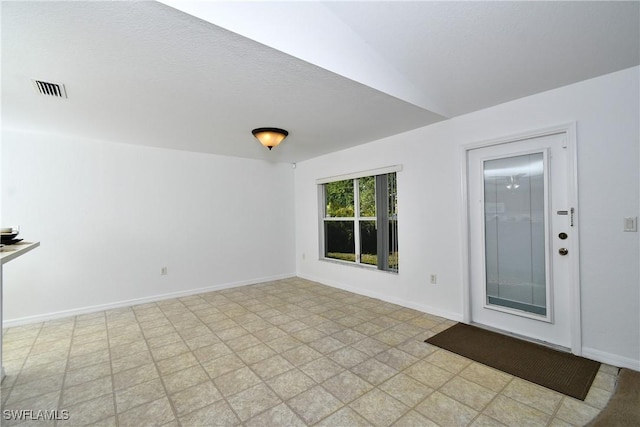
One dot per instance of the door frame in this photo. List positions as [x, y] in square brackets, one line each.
[569, 129]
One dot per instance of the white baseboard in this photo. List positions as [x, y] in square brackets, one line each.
[457, 317]
[610, 359]
[136, 301]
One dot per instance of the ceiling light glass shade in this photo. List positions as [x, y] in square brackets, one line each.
[270, 137]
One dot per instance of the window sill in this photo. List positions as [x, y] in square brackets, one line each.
[356, 265]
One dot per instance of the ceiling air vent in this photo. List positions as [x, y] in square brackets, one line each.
[56, 90]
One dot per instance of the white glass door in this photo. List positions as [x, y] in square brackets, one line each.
[520, 224]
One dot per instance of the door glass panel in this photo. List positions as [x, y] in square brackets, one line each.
[515, 233]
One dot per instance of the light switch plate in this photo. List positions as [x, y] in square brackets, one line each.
[631, 223]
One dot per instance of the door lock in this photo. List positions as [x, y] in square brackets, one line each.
[563, 251]
[562, 236]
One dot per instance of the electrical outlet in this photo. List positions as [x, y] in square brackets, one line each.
[163, 271]
[433, 279]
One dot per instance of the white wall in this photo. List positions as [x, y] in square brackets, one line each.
[109, 216]
[430, 207]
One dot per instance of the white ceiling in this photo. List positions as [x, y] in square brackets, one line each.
[334, 74]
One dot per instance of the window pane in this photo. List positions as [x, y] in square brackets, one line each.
[368, 243]
[393, 196]
[515, 233]
[393, 222]
[339, 242]
[339, 198]
[393, 244]
[367, 196]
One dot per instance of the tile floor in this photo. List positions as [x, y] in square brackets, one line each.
[285, 353]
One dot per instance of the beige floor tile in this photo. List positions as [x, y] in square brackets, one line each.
[243, 342]
[604, 381]
[39, 372]
[47, 401]
[290, 383]
[18, 353]
[414, 419]
[223, 365]
[125, 339]
[484, 421]
[256, 353]
[513, 413]
[176, 363]
[349, 336]
[131, 361]
[194, 332]
[139, 394]
[397, 359]
[533, 395]
[416, 348]
[200, 341]
[138, 375]
[379, 408]
[293, 326]
[486, 376]
[196, 397]
[236, 381]
[557, 422]
[576, 412]
[252, 401]
[184, 379]
[267, 333]
[406, 389]
[448, 361]
[321, 369]
[301, 355]
[446, 411]
[347, 386]
[344, 417]
[469, 393]
[308, 335]
[168, 351]
[428, 374]
[86, 348]
[125, 350]
[597, 397]
[154, 413]
[39, 387]
[48, 357]
[211, 352]
[61, 344]
[348, 357]
[162, 340]
[277, 416]
[314, 404]
[391, 338]
[86, 391]
[283, 344]
[373, 371]
[370, 346]
[326, 344]
[231, 333]
[271, 367]
[91, 411]
[88, 373]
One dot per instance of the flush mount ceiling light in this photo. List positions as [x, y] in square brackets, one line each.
[270, 137]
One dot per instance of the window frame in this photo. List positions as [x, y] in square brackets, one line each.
[381, 219]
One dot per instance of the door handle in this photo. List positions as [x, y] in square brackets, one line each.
[563, 251]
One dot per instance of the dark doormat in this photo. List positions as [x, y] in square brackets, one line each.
[559, 371]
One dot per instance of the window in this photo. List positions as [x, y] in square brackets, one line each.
[360, 220]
